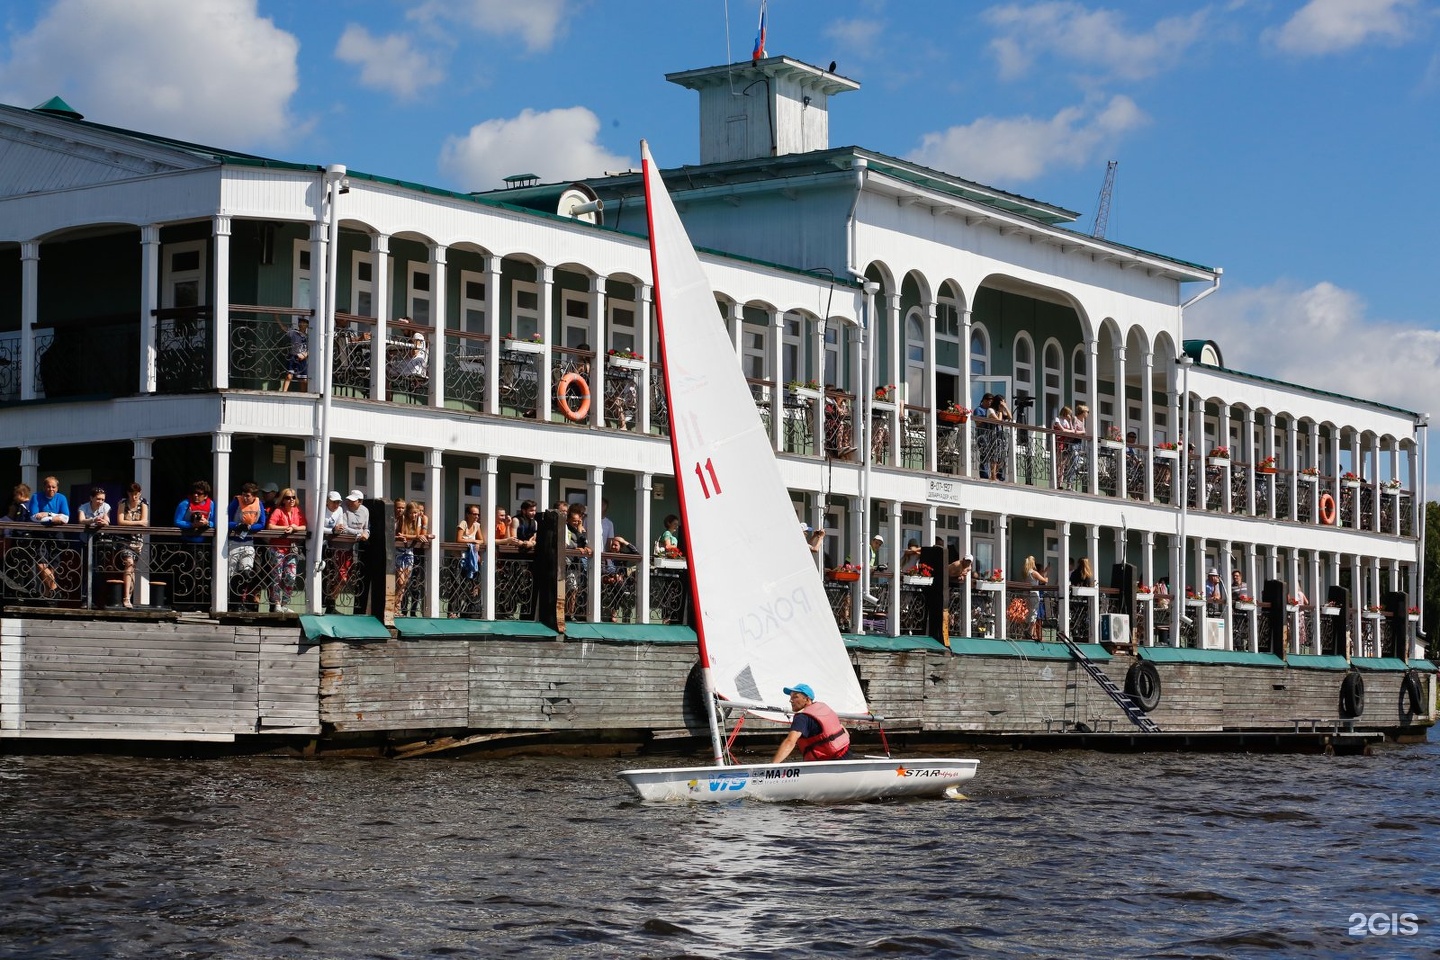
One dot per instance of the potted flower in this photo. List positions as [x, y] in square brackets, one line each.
[953, 413]
[885, 394]
[1413, 614]
[1330, 610]
[920, 575]
[1243, 601]
[1143, 591]
[1392, 486]
[1219, 457]
[847, 572]
[993, 581]
[626, 359]
[1266, 465]
[531, 344]
[804, 389]
[1374, 610]
[1194, 598]
[1349, 479]
[1114, 439]
[1167, 450]
[1309, 474]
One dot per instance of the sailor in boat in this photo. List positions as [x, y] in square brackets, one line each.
[816, 730]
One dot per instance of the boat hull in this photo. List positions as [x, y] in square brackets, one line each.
[828, 781]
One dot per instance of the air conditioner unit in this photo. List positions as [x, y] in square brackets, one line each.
[1213, 637]
[1115, 628]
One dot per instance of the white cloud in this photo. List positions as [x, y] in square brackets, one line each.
[554, 145]
[1331, 26]
[860, 37]
[390, 63]
[214, 72]
[1010, 150]
[537, 22]
[1321, 337]
[1096, 39]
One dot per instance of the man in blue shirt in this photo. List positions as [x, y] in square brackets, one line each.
[48, 505]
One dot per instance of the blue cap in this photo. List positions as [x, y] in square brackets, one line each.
[801, 688]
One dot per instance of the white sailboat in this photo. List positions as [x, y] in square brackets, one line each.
[763, 621]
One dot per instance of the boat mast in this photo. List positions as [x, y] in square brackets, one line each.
[654, 185]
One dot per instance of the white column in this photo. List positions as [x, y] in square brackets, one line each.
[893, 538]
[969, 424]
[1247, 436]
[314, 508]
[967, 548]
[644, 492]
[492, 344]
[220, 493]
[435, 490]
[1064, 591]
[1093, 550]
[1092, 442]
[143, 457]
[646, 348]
[545, 280]
[776, 398]
[29, 314]
[490, 464]
[439, 300]
[1146, 434]
[594, 536]
[1292, 461]
[896, 370]
[931, 398]
[380, 303]
[220, 336]
[1149, 573]
[322, 351]
[1122, 420]
[379, 485]
[600, 338]
[1001, 600]
[149, 302]
[543, 486]
[30, 467]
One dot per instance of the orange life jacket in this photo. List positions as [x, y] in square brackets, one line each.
[832, 742]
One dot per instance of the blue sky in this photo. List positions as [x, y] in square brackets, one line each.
[1295, 144]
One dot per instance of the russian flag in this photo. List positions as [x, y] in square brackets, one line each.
[759, 52]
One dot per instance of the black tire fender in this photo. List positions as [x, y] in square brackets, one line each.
[1142, 683]
[1412, 696]
[1352, 695]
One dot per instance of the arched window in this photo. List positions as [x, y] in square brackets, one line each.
[915, 356]
[979, 350]
[1079, 376]
[1024, 364]
[1054, 375]
[947, 351]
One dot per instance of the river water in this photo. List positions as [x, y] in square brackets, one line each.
[1072, 854]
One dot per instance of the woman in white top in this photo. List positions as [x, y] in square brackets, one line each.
[1036, 578]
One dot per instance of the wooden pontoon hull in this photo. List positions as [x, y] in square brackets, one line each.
[831, 781]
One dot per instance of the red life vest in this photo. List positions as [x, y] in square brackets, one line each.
[832, 742]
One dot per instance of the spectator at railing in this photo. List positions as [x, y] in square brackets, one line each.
[576, 567]
[1214, 589]
[524, 528]
[297, 366]
[288, 519]
[48, 505]
[19, 504]
[95, 512]
[503, 537]
[331, 513]
[196, 515]
[607, 530]
[354, 521]
[1080, 574]
[668, 543]
[134, 511]
[247, 517]
[269, 497]
[471, 533]
[1238, 586]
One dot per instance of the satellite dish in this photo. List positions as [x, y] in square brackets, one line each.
[579, 202]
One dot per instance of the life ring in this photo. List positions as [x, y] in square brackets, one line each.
[1327, 509]
[1352, 696]
[1142, 683]
[576, 412]
[1411, 696]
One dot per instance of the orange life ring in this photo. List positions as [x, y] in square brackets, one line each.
[1327, 509]
[574, 413]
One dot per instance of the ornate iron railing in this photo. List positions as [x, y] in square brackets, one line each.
[465, 357]
[184, 346]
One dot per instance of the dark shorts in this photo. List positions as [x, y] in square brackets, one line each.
[298, 367]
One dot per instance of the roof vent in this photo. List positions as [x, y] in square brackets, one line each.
[59, 108]
[521, 180]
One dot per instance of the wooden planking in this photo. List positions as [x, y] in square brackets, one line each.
[393, 685]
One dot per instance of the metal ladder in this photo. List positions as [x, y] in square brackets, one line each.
[1121, 698]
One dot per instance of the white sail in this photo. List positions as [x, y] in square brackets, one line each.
[764, 621]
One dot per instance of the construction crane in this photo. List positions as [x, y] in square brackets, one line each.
[1102, 206]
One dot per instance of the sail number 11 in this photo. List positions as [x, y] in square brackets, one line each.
[700, 471]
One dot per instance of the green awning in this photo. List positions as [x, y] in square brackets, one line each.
[870, 641]
[1189, 655]
[460, 627]
[631, 632]
[1026, 649]
[1391, 664]
[334, 626]
[1302, 661]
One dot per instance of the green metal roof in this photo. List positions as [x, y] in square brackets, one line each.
[1256, 378]
[462, 629]
[1022, 649]
[1302, 661]
[1392, 664]
[870, 641]
[1188, 655]
[631, 632]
